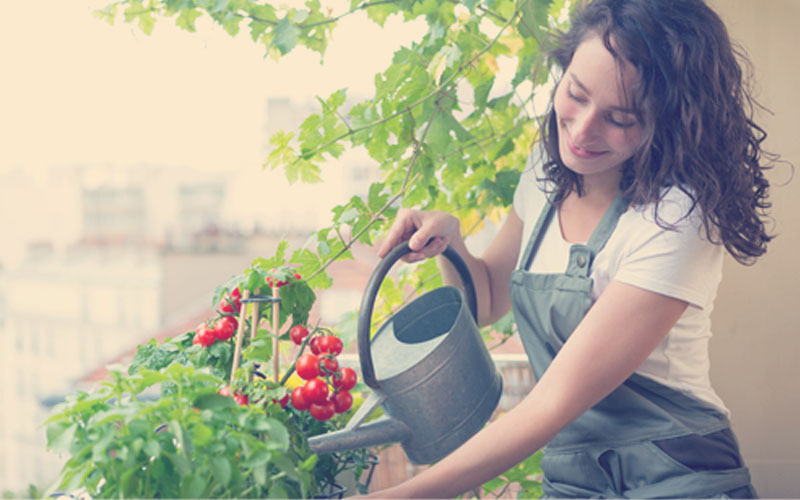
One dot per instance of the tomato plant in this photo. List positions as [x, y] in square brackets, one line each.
[214, 431]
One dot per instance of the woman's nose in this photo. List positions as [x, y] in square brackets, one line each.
[584, 127]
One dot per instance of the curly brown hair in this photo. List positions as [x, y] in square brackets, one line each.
[699, 134]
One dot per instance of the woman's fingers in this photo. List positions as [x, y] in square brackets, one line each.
[427, 232]
[406, 225]
[434, 247]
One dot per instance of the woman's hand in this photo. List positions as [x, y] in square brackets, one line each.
[428, 233]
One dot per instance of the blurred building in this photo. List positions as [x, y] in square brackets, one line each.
[141, 254]
[152, 247]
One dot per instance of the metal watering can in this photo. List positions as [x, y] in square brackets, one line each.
[428, 368]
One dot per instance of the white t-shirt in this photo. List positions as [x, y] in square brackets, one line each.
[680, 263]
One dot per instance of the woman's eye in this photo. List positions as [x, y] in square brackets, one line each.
[575, 97]
[620, 123]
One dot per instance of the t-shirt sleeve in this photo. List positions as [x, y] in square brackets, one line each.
[679, 262]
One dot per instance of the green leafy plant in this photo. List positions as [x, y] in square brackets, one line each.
[182, 421]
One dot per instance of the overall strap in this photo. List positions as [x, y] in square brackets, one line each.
[607, 224]
[539, 230]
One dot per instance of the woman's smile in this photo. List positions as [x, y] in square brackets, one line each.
[580, 152]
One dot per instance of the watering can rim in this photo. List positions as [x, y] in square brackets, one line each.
[371, 292]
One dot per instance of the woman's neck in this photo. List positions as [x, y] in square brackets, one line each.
[579, 215]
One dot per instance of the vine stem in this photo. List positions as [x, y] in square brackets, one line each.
[440, 91]
[449, 82]
[276, 330]
[378, 215]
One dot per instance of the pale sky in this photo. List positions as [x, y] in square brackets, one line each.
[75, 89]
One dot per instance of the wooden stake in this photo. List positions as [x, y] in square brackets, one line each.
[276, 327]
[237, 352]
[255, 318]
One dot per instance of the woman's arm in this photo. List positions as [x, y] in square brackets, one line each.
[428, 234]
[616, 336]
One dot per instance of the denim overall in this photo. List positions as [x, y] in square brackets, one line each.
[644, 440]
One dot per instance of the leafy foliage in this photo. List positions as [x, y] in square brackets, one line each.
[449, 126]
[194, 444]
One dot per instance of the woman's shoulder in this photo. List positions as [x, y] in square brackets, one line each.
[675, 208]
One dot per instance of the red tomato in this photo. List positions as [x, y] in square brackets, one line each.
[298, 399]
[322, 411]
[297, 276]
[241, 399]
[203, 335]
[236, 295]
[334, 345]
[226, 305]
[315, 391]
[342, 401]
[323, 344]
[283, 401]
[225, 327]
[307, 366]
[298, 333]
[330, 364]
[345, 380]
[314, 345]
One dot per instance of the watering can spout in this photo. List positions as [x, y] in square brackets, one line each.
[385, 430]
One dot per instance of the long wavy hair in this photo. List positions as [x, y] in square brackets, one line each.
[699, 134]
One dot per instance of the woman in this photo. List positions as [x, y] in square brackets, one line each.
[649, 168]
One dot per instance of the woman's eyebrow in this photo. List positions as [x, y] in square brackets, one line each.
[580, 84]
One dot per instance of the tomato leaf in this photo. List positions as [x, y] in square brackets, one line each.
[214, 402]
[60, 435]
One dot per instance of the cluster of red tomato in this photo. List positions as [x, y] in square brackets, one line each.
[224, 326]
[270, 280]
[320, 369]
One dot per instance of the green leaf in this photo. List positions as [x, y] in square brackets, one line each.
[259, 350]
[187, 18]
[534, 18]
[181, 464]
[129, 483]
[214, 402]
[60, 435]
[380, 12]
[221, 468]
[192, 486]
[220, 5]
[152, 448]
[286, 35]
[376, 198]
[201, 434]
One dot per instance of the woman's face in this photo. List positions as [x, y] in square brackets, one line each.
[597, 130]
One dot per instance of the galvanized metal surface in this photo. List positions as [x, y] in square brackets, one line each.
[429, 369]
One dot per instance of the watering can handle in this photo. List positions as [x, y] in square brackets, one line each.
[368, 301]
